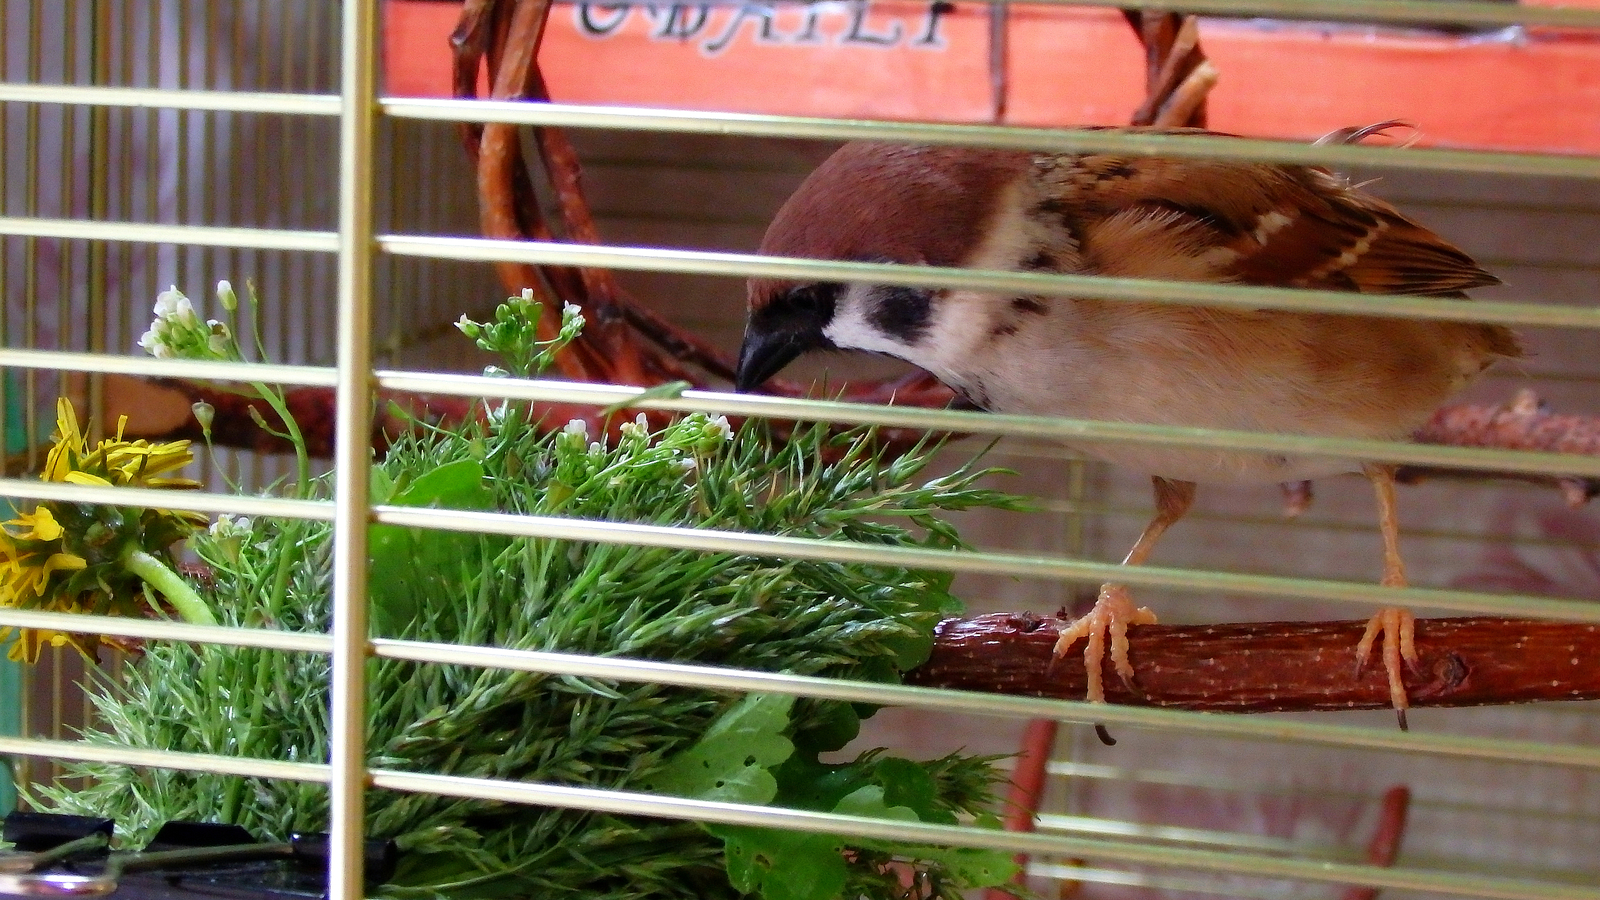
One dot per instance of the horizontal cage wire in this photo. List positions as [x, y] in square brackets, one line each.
[184, 142]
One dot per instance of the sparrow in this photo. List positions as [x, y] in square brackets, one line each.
[1215, 221]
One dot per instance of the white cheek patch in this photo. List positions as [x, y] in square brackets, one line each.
[850, 330]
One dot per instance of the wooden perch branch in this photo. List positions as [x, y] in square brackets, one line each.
[1275, 666]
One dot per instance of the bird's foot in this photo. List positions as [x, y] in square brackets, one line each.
[1113, 612]
[1398, 628]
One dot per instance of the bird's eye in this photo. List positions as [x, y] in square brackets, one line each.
[812, 298]
[811, 304]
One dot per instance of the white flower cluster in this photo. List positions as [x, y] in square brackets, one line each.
[178, 333]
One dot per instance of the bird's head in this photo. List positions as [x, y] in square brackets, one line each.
[871, 203]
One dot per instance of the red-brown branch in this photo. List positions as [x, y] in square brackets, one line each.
[1177, 74]
[1523, 423]
[1385, 845]
[1276, 666]
[1499, 427]
[1028, 781]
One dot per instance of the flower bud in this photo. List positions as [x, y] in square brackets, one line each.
[204, 413]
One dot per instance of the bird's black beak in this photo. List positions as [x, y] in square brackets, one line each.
[764, 354]
[789, 325]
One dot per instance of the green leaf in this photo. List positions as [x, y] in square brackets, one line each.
[807, 783]
[381, 485]
[972, 866]
[868, 801]
[783, 865]
[906, 784]
[410, 565]
[731, 761]
[833, 726]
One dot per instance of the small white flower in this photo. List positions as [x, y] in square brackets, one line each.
[167, 302]
[219, 338]
[527, 293]
[720, 426]
[226, 296]
[686, 466]
[577, 427]
[638, 429]
[229, 526]
[175, 309]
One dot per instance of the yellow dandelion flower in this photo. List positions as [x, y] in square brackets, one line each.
[114, 461]
[27, 563]
[79, 558]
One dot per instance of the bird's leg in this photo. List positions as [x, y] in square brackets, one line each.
[1395, 623]
[1114, 611]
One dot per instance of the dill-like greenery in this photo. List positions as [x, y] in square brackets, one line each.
[824, 618]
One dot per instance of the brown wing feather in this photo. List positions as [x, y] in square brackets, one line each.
[1259, 224]
[1286, 225]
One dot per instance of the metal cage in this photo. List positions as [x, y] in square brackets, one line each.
[183, 141]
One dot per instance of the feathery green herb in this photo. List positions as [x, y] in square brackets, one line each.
[816, 618]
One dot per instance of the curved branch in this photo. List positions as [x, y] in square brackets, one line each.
[1177, 74]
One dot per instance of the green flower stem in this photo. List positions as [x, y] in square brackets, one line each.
[301, 460]
[280, 581]
[155, 573]
[233, 800]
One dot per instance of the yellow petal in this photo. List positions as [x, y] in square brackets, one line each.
[27, 642]
[44, 525]
[22, 649]
[68, 442]
[85, 478]
[174, 483]
[38, 576]
[65, 562]
[39, 525]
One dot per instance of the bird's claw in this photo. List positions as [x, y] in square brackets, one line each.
[1113, 612]
[1398, 628]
